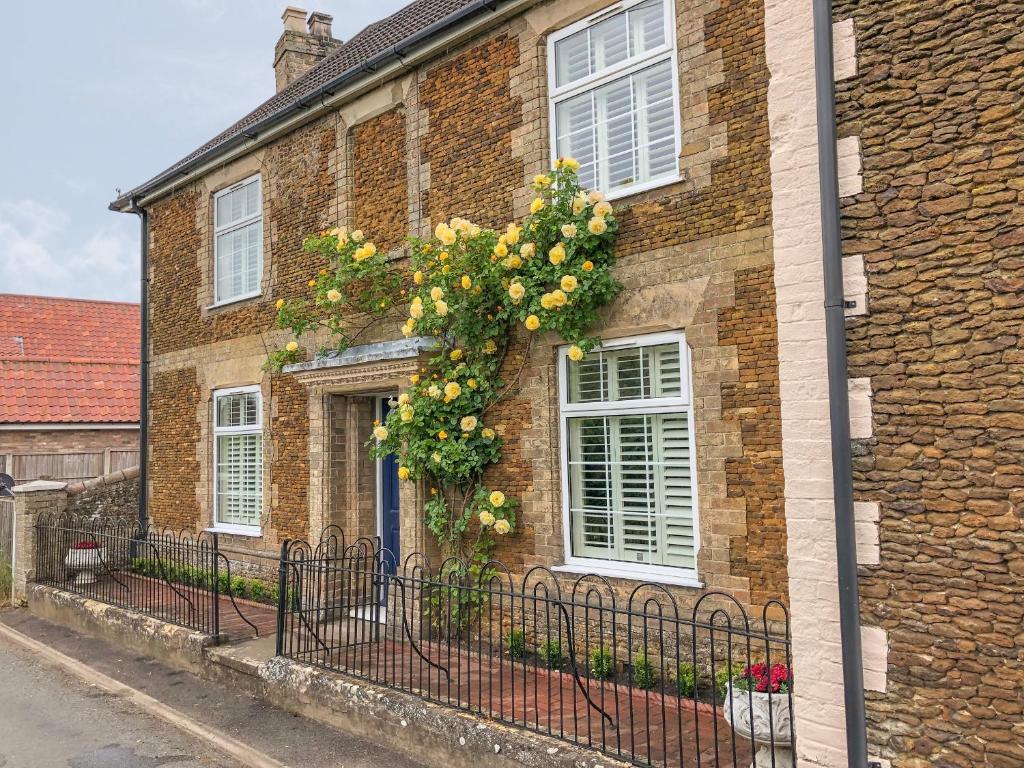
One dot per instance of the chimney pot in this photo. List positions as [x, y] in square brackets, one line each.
[320, 24]
[294, 19]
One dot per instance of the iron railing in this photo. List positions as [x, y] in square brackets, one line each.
[180, 577]
[631, 673]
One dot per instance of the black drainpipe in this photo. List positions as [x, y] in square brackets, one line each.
[143, 367]
[838, 395]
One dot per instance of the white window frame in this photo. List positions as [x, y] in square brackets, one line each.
[664, 574]
[218, 301]
[558, 94]
[249, 429]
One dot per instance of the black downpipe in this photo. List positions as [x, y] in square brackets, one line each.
[143, 368]
[838, 394]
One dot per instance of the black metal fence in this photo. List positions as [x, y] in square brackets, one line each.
[631, 674]
[175, 576]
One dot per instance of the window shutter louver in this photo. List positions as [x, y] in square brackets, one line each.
[238, 241]
[239, 459]
[675, 489]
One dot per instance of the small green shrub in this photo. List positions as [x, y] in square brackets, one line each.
[644, 675]
[257, 590]
[551, 653]
[515, 641]
[602, 664]
[723, 676]
[238, 586]
[686, 679]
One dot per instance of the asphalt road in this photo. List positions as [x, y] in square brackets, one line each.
[49, 719]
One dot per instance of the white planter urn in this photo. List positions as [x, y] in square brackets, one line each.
[84, 563]
[748, 714]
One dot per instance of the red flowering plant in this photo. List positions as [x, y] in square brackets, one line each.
[87, 544]
[761, 678]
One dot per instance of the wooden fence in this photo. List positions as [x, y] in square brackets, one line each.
[67, 467]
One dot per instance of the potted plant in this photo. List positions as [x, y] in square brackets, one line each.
[84, 558]
[757, 706]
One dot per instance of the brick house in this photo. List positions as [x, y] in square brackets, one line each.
[69, 387]
[448, 108]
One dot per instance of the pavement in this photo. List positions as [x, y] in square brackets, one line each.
[50, 718]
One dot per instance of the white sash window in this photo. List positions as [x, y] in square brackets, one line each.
[628, 459]
[238, 459]
[238, 241]
[615, 98]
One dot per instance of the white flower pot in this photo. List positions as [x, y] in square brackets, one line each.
[753, 714]
[84, 563]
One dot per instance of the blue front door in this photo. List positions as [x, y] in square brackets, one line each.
[388, 500]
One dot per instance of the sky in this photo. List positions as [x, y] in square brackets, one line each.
[105, 94]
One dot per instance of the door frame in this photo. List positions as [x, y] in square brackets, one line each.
[378, 398]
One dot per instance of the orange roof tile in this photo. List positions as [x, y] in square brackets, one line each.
[68, 360]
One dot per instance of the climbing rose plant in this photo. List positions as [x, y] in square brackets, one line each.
[479, 293]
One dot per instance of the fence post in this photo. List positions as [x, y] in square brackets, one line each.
[30, 501]
[282, 592]
[215, 570]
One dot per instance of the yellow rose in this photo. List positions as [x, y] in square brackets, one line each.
[558, 297]
[406, 413]
[595, 197]
[512, 233]
[434, 391]
[487, 433]
[442, 435]
[357, 235]
[445, 234]
[452, 390]
[536, 205]
[575, 353]
[436, 293]
[436, 457]
[513, 262]
[497, 498]
[456, 354]
[501, 250]
[311, 283]
[557, 254]
[569, 283]
[334, 295]
[417, 277]
[468, 423]
[486, 519]
[502, 527]
[516, 291]
[414, 379]
[571, 163]
[532, 323]
[403, 399]
[541, 180]
[407, 329]
[490, 347]
[547, 301]
[588, 266]
[279, 303]
[292, 346]
[416, 310]
[568, 230]
[528, 251]
[579, 202]
[603, 209]
[597, 226]
[441, 307]
[381, 433]
[467, 282]
[359, 254]
[403, 473]
[471, 383]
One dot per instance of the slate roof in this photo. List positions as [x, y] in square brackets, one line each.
[68, 361]
[381, 37]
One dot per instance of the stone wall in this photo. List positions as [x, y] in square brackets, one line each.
[115, 495]
[173, 463]
[936, 103]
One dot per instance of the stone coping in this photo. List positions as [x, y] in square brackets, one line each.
[400, 349]
[99, 482]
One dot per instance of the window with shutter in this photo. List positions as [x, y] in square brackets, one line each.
[238, 241]
[238, 459]
[615, 99]
[627, 455]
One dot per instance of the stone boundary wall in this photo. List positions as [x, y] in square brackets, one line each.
[112, 495]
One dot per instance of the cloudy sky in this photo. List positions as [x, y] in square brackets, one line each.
[105, 94]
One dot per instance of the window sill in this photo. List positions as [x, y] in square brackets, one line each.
[652, 574]
[252, 533]
[636, 189]
[233, 300]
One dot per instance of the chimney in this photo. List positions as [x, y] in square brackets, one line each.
[301, 45]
